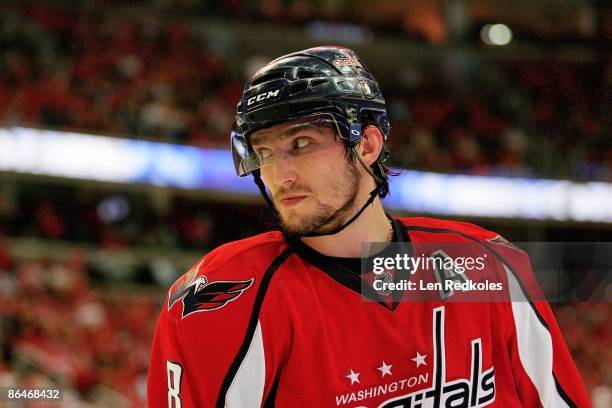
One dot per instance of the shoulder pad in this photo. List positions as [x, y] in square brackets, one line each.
[229, 269]
[262, 248]
[461, 227]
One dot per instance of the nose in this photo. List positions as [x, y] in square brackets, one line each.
[284, 171]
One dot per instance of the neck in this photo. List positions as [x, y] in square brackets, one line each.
[371, 226]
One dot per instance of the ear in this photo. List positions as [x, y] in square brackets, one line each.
[371, 144]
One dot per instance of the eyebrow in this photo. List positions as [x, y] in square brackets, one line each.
[261, 138]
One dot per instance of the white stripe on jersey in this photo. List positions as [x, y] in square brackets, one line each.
[247, 388]
[534, 346]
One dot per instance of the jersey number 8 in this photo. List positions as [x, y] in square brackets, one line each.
[174, 384]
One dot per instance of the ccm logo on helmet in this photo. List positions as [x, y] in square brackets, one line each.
[262, 97]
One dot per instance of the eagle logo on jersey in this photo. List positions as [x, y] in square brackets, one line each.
[200, 295]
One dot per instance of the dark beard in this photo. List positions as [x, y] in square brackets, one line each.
[327, 218]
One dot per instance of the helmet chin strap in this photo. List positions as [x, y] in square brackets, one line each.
[262, 189]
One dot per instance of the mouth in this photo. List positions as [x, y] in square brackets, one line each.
[290, 201]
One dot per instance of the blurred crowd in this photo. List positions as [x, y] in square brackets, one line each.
[141, 75]
[57, 330]
[592, 321]
[546, 118]
[124, 220]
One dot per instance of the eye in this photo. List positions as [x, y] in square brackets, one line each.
[264, 153]
[301, 142]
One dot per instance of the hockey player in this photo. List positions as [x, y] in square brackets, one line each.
[291, 319]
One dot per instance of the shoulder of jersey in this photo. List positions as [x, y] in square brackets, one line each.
[237, 260]
[459, 227]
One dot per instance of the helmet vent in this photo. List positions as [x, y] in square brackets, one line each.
[346, 85]
[317, 82]
[298, 87]
[304, 73]
[267, 78]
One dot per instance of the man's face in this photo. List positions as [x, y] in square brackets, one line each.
[304, 165]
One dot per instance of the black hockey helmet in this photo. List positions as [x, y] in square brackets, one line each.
[330, 79]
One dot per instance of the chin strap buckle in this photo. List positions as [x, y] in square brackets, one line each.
[354, 134]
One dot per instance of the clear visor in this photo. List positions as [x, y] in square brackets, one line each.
[292, 140]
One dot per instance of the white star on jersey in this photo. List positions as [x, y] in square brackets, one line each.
[419, 359]
[354, 377]
[385, 369]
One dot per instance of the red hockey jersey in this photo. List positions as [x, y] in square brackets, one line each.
[267, 321]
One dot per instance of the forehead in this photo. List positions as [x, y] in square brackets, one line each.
[316, 125]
